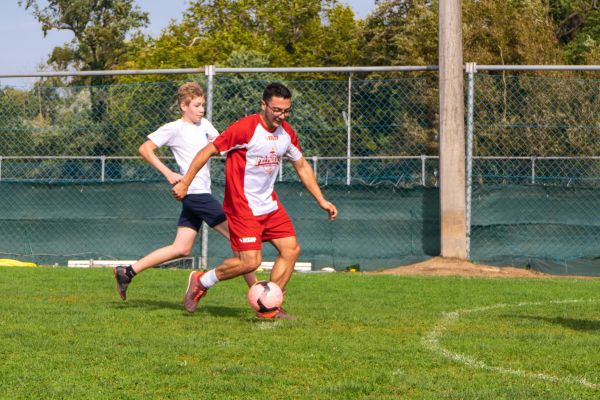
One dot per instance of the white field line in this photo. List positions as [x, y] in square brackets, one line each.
[268, 325]
[431, 342]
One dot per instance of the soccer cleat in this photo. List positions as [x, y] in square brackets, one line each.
[122, 281]
[194, 291]
[275, 314]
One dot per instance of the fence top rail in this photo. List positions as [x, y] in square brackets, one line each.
[42, 74]
[212, 70]
[538, 67]
[329, 69]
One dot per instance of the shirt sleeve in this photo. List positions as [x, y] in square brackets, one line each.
[236, 136]
[162, 135]
[294, 151]
[210, 130]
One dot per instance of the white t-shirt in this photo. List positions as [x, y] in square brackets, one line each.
[185, 140]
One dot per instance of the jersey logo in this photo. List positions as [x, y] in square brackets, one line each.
[270, 162]
[248, 240]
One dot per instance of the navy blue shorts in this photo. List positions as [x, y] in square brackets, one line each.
[198, 208]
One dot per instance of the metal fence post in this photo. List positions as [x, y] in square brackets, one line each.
[102, 168]
[349, 132]
[209, 71]
[471, 69]
[423, 170]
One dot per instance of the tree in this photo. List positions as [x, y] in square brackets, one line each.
[578, 29]
[494, 32]
[288, 33]
[99, 27]
[509, 32]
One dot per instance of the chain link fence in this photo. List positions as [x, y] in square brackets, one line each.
[536, 172]
[73, 187]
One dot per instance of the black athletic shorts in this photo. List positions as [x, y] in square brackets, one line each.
[198, 208]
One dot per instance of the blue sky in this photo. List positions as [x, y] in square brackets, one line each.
[23, 47]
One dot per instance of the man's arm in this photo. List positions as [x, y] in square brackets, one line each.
[180, 189]
[307, 176]
[147, 151]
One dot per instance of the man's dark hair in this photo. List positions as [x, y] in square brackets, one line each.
[276, 89]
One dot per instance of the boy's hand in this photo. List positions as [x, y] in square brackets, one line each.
[174, 178]
[179, 191]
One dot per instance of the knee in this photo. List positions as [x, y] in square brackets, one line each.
[183, 251]
[293, 252]
[250, 266]
[298, 250]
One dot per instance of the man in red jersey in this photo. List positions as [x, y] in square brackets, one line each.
[255, 146]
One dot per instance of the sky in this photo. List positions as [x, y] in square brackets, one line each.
[23, 47]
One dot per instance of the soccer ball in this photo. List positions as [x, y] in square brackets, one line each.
[265, 296]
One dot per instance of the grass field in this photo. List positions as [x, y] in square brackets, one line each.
[65, 334]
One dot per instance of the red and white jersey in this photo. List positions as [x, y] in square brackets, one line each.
[253, 157]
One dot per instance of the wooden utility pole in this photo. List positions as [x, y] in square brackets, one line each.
[452, 132]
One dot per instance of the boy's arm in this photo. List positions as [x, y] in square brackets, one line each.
[180, 189]
[147, 151]
[307, 176]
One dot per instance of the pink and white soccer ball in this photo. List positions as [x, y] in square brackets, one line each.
[265, 296]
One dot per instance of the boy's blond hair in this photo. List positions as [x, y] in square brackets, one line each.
[188, 92]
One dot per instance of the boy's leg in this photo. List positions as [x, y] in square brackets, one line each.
[181, 247]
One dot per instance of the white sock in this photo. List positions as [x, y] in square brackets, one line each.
[209, 279]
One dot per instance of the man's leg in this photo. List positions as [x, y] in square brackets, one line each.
[245, 263]
[289, 251]
[199, 282]
[181, 247]
[223, 229]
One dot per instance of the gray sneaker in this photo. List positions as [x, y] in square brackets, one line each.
[194, 291]
[122, 281]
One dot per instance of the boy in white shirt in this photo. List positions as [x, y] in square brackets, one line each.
[185, 137]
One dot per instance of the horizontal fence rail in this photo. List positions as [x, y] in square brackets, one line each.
[102, 160]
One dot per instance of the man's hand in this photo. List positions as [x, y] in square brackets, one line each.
[330, 208]
[179, 191]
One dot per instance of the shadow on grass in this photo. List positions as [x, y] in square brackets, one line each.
[576, 324]
[149, 305]
[223, 311]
